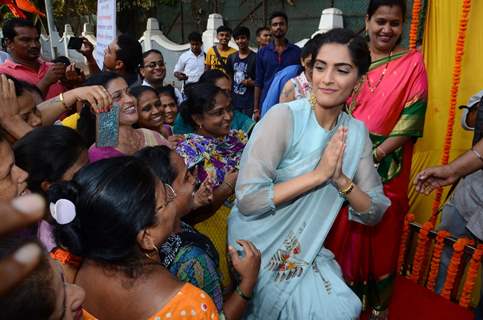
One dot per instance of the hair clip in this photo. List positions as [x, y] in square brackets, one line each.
[63, 211]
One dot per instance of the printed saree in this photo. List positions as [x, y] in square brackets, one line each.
[299, 278]
[393, 104]
[191, 257]
[214, 157]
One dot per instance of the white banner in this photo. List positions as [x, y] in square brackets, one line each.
[106, 28]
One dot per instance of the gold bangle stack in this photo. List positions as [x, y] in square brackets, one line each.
[348, 189]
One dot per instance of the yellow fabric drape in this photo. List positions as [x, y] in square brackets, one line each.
[439, 53]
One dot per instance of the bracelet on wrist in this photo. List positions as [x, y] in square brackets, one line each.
[61, 97]
[241, 294]
[347, 189]
[477, 154]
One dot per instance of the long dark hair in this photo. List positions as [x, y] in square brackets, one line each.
[115, 199]
[157, 158]
[46, 153]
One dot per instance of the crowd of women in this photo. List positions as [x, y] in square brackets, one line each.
[197, 214]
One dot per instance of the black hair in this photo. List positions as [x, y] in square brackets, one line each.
[357, 46]
[86, 125]
[309, 48]
[212, 75]
[200, 99]
[34, 297]
[195, 36]
[241, 31]
[223, 29]
[114, 200]
[137, 91]
[46, 153]
[167, 90]
[375, 4]
[277, 14]
[259, 30]
[9, 26]
[62, 59]
[147, 53]
[130, 52]
[157, 158]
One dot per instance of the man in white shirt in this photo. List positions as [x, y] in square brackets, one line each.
[191, 64]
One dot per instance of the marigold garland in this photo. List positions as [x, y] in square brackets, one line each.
[456, 78]
[415, 18]
[420, 252]
[458, 247]
[404, 239]
[436, 259]
[471, 275]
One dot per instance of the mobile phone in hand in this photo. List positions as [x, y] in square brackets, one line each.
[75, 43]
[107, 127]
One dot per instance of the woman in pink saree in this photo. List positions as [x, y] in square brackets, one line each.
[391, 101]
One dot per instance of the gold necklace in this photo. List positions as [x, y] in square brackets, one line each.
[381, 76]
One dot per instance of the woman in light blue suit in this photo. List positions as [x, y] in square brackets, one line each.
[302, 162]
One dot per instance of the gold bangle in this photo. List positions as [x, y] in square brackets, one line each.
[344, 192]
[61, 97]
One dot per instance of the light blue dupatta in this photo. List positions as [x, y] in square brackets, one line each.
[298, 277]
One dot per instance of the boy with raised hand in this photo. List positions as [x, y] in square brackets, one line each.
[241, 67]
[217, 55]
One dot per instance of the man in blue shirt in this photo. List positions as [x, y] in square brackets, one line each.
[273, 58]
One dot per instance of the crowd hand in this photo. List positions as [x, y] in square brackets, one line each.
[87, 48]
[8, 98]
[247, 82]
[181, 76]
[204, 195]
[330, 165]
[21, 212]
[247, 265]
[230, 179]
[55, 73]
[72, 76]
[256, 115]
[435, 177]
[97, 96]
[175, 139]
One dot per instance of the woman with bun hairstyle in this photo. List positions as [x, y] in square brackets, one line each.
[115, 214]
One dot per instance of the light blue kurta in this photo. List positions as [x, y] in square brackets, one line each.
[299, 278]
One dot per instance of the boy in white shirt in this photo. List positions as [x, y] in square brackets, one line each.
[191, 64]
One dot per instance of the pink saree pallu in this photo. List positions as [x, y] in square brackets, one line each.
[391, 101]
